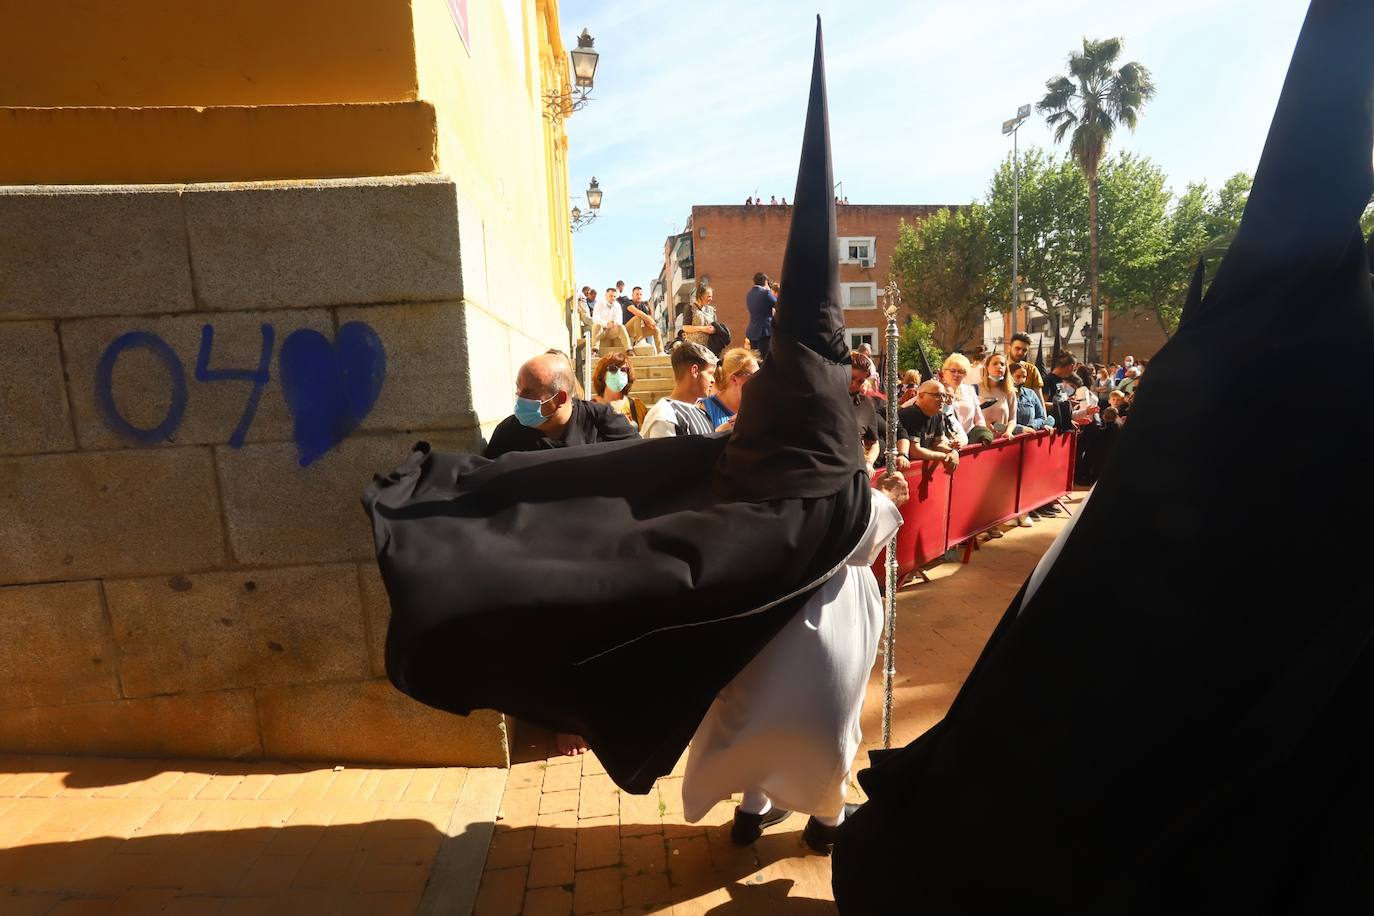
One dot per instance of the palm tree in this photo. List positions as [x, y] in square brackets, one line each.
[1091, 101]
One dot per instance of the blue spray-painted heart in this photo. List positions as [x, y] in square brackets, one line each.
[330, 387]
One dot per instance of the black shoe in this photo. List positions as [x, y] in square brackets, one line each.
[1051, 509]
[820, 837]
[749, 827]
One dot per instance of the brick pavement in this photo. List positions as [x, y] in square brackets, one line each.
[109, 836]
[569, 842]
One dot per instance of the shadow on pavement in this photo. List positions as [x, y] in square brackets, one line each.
[376, 867]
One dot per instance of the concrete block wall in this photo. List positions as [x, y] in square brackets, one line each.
[185, 569]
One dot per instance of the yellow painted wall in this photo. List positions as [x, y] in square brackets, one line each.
[231, 143]
[509, 162]
[205, 52]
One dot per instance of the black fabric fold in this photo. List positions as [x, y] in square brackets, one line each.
[1186, 730]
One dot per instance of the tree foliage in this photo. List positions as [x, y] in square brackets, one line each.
[915, 336]
[1150, 240]
[1087, 105]
[946, 267]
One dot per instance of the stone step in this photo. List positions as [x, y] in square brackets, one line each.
[638, 361]
[655, 385]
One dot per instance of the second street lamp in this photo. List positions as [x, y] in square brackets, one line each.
[581, 220]
[1011, 126]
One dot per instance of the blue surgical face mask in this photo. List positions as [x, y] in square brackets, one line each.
[529, 410]
[616, 381]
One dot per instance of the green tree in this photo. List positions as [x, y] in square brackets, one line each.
[1200, 225]
[1087, 105]
[1135, 231]
[945, 267]
[915, 336]
[1053, 236]
[1367, 221]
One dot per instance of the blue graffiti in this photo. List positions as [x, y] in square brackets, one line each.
[329, 387]
[104, 387]
[259, 376]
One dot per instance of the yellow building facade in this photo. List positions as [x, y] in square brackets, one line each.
[215, 218]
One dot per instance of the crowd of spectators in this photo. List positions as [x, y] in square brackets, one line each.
[973, 399]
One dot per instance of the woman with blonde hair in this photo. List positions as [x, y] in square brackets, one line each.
[611, 382]
[997, 387]
[963, 405]
[700, 318]
[736, 367]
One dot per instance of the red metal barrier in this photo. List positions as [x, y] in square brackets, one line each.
[1046, 469]
[925, 518]
[984, 490]
[993, 484]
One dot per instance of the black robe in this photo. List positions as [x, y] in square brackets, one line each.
[1202, 742]
[612, 590]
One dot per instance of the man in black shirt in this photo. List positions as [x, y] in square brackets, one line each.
[548, 416]
[930, 436]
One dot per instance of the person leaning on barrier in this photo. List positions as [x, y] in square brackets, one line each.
[1030, 407]
[963, 403]
[929, 430]
[998, 396]
[870, 413]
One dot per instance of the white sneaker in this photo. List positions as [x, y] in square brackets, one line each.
[1024, 521]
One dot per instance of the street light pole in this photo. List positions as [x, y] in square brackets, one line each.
[1013, 127]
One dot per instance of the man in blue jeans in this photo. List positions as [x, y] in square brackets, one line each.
[760, 302]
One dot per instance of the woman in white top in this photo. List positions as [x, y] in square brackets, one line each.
[996, 387]
[964, 404]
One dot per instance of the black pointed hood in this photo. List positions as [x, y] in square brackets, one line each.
[927, 373]
[796, 434]
[1040, 360]
[1190, 743]
[1193, 300]
[809, 309]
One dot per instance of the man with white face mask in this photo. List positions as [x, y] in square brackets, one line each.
[548, 416]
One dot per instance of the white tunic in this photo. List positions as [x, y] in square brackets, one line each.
[788, 724]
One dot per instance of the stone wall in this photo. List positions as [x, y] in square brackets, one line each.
[185, 566]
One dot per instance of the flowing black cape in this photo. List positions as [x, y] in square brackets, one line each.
[607, 590]
[1177, 719]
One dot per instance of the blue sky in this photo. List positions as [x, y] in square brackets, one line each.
[702, 102]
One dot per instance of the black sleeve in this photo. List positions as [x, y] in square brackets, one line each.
[610, 425]
[504, 438]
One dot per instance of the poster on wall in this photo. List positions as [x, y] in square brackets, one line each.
[459, 9]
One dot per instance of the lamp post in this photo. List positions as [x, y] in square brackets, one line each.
[1012, 126]
[561, 102]
[581, 220]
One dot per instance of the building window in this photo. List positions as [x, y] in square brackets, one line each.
[860, 336]
[859, 295]
[859, 250]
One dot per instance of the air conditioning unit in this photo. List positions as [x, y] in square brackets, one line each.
[865, 262]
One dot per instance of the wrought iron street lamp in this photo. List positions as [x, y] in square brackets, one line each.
[581, 220]
[563, 102]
